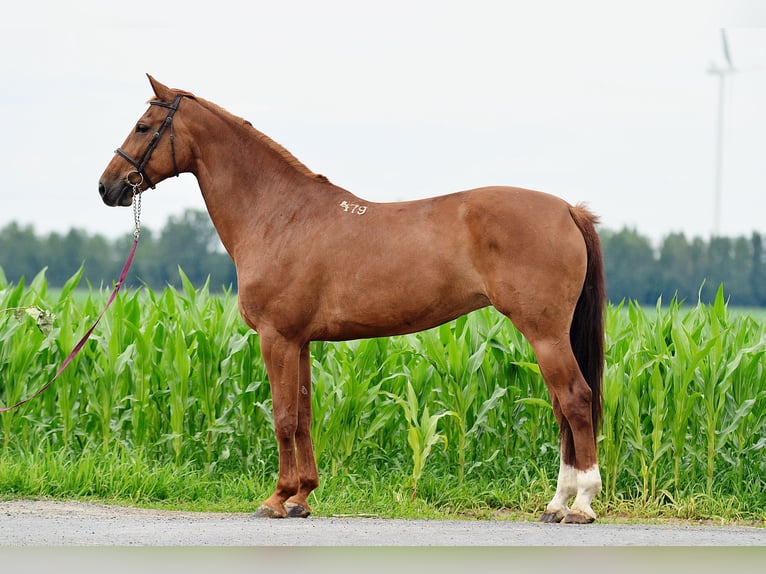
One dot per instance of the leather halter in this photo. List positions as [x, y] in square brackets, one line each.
[140, 165]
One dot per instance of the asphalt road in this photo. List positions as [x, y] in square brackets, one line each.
[45, 523]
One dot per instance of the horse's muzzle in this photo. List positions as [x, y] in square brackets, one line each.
[118, 193]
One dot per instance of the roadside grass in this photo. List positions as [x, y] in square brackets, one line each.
[130, 481]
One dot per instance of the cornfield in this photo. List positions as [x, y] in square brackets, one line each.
[178, 377]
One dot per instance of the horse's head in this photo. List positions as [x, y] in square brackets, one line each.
[150, 152]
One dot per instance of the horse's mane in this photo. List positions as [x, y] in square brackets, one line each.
[293, 161]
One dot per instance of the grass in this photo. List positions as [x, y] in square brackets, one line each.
[169, 406]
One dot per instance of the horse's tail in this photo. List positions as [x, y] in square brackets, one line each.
[586, 334]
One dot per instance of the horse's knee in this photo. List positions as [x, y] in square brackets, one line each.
[285, 426]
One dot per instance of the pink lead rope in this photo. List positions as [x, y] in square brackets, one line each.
[78, 347]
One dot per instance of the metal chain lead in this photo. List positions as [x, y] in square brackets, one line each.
[137, 211]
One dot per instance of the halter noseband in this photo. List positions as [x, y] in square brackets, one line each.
[140, 165]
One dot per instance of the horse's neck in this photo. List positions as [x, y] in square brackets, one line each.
[245, 182]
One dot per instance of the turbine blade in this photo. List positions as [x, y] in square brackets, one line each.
[726, 53]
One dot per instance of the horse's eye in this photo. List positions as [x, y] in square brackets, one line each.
[141, 128]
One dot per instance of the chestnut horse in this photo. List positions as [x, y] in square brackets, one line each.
[315, 262]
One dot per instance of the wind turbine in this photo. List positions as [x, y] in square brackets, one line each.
[721, 72]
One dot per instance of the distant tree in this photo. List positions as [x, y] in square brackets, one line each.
[737, 281]
[676, 272]
[21, 253]
[191, 242]
[102, 257]
[698, 253]
[629, 266]
[719, 266]
[758, 271]
[64, 255]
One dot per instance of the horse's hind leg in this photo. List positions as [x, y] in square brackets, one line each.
[566, 485]
[297, 505]
[571, 397]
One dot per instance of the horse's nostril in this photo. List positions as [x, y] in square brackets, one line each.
[101, 188]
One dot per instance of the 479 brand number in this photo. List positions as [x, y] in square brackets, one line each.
[353, 207]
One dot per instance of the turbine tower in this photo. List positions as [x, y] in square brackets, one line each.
[721, 72]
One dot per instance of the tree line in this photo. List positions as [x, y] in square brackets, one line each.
[689, 269]
[189, 241]
[686, 268]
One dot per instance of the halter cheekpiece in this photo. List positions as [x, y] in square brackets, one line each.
[140, 165]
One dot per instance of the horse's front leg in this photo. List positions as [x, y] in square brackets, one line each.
[282, 358]
[297, 505]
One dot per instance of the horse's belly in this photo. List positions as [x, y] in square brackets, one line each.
[397, 310]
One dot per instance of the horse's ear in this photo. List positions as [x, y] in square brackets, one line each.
[161, 90]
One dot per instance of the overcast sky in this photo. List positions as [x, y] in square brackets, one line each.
[604, 102]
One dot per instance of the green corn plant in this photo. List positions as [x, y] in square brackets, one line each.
[713, 383]
[69, 381]
[689, 351]
[422, 432]
[249, 412]
[24, 350]
[456, 357]
[612, 440]
[747, 393]
[348, 413]
[178, 370]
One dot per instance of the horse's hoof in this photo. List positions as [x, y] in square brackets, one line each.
[578, 518]
[551, 518]
[296, 510]
[268, 512]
